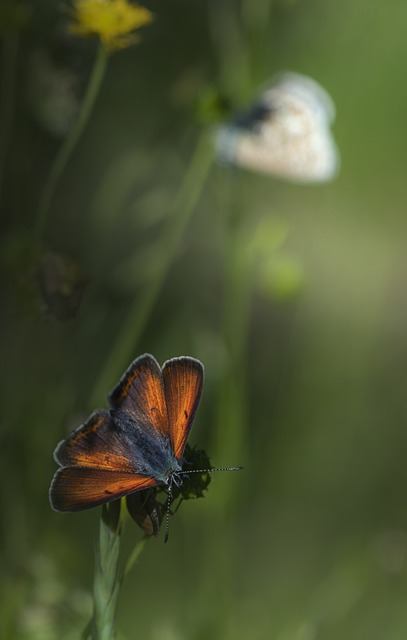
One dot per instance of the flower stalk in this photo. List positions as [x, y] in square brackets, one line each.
[107, 578]
[65, 152]
[139, 313]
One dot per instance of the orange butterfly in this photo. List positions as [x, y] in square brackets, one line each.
[138, 443]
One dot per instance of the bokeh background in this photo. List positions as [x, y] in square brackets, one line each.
[294, 298]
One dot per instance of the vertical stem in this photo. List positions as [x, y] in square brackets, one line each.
[140, 311]
[107, 578]
[237, 280]
[134, 556]
[68, 146]
[229, 446]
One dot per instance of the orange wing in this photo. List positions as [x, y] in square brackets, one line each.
[74, 488]
[95, 445]
[183, 382]
[140, 393]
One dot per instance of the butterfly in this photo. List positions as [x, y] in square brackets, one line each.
[286, 133]
[138, 443]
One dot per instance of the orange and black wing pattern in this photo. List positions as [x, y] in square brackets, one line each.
[183, 382]
[94, 445]
[96, 467]
[140, 393]
[120, 451]
[77, 488]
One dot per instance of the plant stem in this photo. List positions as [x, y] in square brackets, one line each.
[140, 311]
[107, 578]
[230, 436]
[68, 146]
[232, 409]
[134, 556]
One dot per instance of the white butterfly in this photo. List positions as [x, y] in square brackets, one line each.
[286, 133]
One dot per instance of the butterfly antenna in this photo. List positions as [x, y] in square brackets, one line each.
[167, 515]
[213, 469]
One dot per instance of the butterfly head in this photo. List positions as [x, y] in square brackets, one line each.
[173, 477]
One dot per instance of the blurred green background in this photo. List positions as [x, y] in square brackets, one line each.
[292, 296]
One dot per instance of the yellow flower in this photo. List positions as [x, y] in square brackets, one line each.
[114, 21]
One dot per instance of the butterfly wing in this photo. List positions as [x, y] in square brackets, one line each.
[77, 488]
[104, 458]
[96, 467]
[286, 133]
[140, 394]
[95, 444]
[146, 511]
[183, 383]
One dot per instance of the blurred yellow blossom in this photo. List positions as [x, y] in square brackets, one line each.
[114, 21]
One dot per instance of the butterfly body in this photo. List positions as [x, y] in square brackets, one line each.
[151, 454]
[136, 444]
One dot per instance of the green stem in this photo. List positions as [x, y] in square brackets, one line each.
[140, 311]
[230, 436]
[135, 554]
[232, 410]
[107, 578]
[8, 85]
[68, 146]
